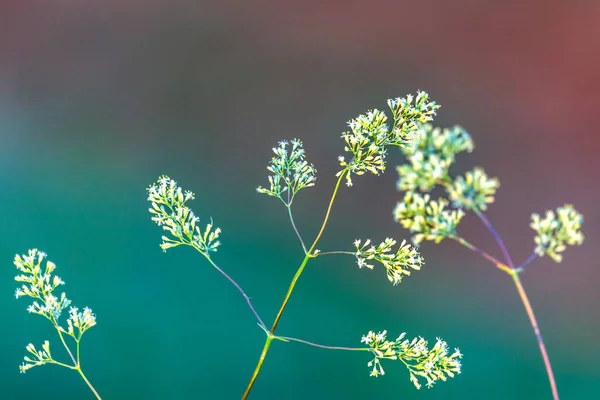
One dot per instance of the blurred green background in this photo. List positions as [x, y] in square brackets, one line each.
[97, 99]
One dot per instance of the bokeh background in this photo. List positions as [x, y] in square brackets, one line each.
[97, 99]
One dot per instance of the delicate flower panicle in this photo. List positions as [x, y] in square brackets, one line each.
[169, 210]
[427, 218]
[291, 172]
[432, 364]
[369, 134]
[41, 357]
[432, 157]
[40, 287]
[395, 264]
[474, 191]
[557, 230]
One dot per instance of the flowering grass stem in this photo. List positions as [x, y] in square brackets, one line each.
[271, 333]
[538, 334]
[514, 273]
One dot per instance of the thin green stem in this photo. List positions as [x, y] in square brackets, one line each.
[321, 346]
[62, 364]
[62, 339]
[88, 382]
[308, 255]
[325, 253]
[78, 347]
[76, 360]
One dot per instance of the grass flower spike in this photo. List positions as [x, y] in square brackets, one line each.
[474, 191]
[431, 364]
[291, 172]
[430, 159]
[395, 264]
[369, 134]
[427, 219]
[170, 211]
[39, 284]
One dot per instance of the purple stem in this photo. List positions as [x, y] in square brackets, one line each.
[499, 240]
[528, 261]
[238, 287]
[289, 207]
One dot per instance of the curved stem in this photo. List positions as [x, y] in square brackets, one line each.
[289, 207]
[538, 334]
[271, 333]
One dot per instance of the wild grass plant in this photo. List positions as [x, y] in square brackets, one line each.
[39, 283]
[367, 143]
[430, 152]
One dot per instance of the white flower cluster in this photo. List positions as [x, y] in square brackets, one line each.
[169, 210]
[557, 230]
[396, 264]
[40, 286]
[431, 364]
[432, 157]
[369, 133]
[427, 219]
[474, 191]
[41, 357]
[291, 172]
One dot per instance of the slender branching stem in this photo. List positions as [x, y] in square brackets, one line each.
[290, 339]
[233, 282]
[76, 361]
[538, 334]
[62, 364]
[495, 261]
[326, 253]
[532, 257]
[62, 339]
[271, 334]
[497, 237]
[514, 273]
[88, 382]
[289, 208]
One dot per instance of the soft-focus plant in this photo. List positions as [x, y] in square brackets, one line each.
[366, 142]
[431, 219]
[39, 283]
